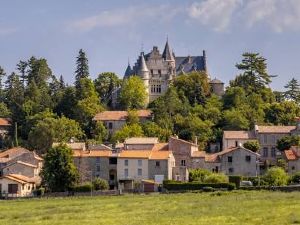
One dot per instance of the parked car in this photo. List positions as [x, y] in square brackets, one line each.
[246, 183]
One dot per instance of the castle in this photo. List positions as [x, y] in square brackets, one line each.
[158, 70]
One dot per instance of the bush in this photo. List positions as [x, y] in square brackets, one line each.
[87, 187]
[236, 180]
[252, 145]
[216, 178]
[176, 185]
[208, 189]
[100, 184]
[276, 176]
[39, 192]
[296, 178]
[198, 174]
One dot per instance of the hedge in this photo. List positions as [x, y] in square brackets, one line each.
[236, 180]
[83, 188]
[175, 185]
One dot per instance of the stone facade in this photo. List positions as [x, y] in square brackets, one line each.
[158, 70]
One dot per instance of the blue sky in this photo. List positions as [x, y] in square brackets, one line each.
[112, 31]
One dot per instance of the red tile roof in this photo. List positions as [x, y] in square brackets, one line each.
[19, 178]
[276, 129]
[92, 153]
[160, 155]
[120, 115]
[13, 152]
[5, 122]
[290, 155]
[239, 135]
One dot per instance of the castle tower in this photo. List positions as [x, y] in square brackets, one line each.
[128, 71]
[144, 74]
[168, 56]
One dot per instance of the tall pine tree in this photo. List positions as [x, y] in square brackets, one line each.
[82, 68]
[293, 90]
[2, 75]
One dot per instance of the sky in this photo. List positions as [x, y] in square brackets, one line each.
[111, 32]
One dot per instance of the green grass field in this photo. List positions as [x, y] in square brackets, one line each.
[203, 208]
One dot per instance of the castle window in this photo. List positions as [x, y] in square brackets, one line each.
[151, 72]
[159, 72]
[159, 89]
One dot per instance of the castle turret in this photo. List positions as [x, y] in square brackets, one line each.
[205, 64]
[168, 56]
[128, 71]
[144, 74]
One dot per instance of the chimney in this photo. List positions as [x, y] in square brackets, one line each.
[196, 140]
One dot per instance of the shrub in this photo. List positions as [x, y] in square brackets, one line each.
[216, 178]
[39, 192]
[276, 176]
[208, 189]
[176, 185]
[296, 178]
[198, 174]
[87, 187]
[252, 145]
[236, 180]
[100, 184]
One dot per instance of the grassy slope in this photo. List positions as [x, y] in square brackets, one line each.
[209, 208]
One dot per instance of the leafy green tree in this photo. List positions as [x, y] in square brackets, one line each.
[67, 102]
[133, 93]
[39, 72]
[151, 129]
[127, 131]
[4, 111]
[255, 76]
[293, 90]
[105, 84]
[234, 97]
[287, 142]
[198, 175]
[100, 184]
[216, 178]
[296, 178]
[276, 176]
[252, 145]
[59, 172]
[235, 120]
[49, 130]
[133, 117]
[82, 69]
[194, 86]
[99, 132]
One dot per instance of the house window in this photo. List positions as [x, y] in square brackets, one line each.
[236, 143]
[29, 187]
[113, 161]
[265, 138]
[98, 168]
[151, 72]
[231, 170]
[293, 168]
[97, 160]
[265, 152]
[157, 163]
[159, 72]
[140, 162]
[248, 158]
[110, 125]
[126, 173]
[140, 172]
[182, 162]
[126, 162]
[273, 139]
[273, 152]
[12, 188]
[229, 159]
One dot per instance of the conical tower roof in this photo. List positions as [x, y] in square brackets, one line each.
[167, 54]
[143, 65]
[128, 71]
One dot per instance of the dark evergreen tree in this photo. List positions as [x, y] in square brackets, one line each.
[21, 67]
[82, 68]
[2, 75]
[293, 90]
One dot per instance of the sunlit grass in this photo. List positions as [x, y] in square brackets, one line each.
[205, 208]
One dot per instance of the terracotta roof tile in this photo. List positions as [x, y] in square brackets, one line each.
[239, 135]
[19, 178]
[141, 140]
[199, 154]
[290, 155]
[119, 115]
[160, 146]
[275, 129]
[159, 155]
[23, 163]
[135, 154]
[5, 122]
[92, 153]
[13, 152]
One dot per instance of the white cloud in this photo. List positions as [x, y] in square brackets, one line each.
[126, 16]
[279, 15]
[215, 13]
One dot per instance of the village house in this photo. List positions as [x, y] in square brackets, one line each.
[19, 170]
[267, 136]
[115, 120]
[292, 157]
[5, 127]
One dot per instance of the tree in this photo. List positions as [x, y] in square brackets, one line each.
[194, 86]
[276, 177]
[82, 68]
[59, 172]
[287, 142]
[252, 145]
[133, 117]
[216, 178]
[4, 111]
[198, 175]
[234, 119]
[151, 129]
[127, 131]
[100, 184]
[296, 178]
[49, 130]
[133, 93]
[105, 84]
[99, 132]
[21, 67]
[2, 75]
[293, 90]
[255, 76]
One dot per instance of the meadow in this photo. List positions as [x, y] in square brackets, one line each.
[237, 207]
